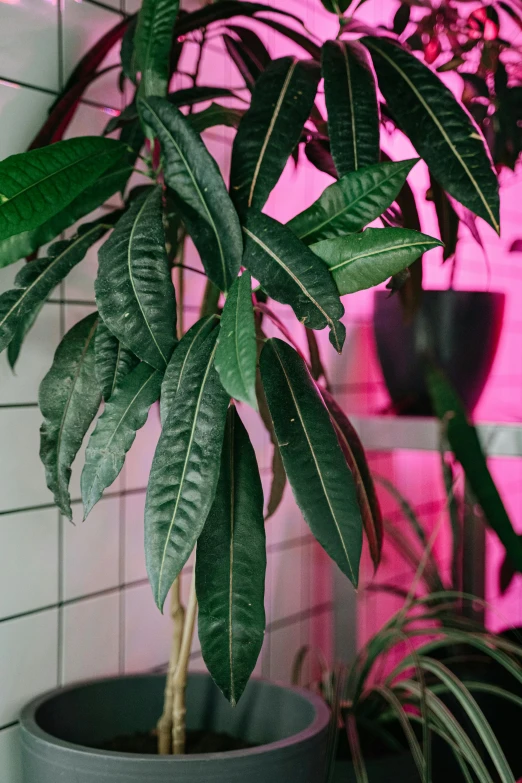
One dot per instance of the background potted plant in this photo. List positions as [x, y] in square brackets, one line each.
[204, 486]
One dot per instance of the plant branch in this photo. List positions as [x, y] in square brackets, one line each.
[179, 680]
[165, 724]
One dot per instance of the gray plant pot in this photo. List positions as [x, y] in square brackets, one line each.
[289, 726]
[390, 769]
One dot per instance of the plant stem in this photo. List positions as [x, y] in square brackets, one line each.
[179, 680]
[165, 723]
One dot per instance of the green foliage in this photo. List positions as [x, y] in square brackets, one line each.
[336, 6]
[113, 360]
[152, 44]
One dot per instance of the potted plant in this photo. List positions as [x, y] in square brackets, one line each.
[204, 490]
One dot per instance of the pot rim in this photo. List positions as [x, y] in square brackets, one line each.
[379, 292]
[29, 724]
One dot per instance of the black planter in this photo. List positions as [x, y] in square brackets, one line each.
[288, 726]
[460, 330]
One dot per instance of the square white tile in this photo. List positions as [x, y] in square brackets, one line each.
[134, 537]
[29, 660]
[22, 111]
[22, 479]
[91, 638]
[29, 560]
[10, 757]
[148, 633]
[83, 25]
[29, 50]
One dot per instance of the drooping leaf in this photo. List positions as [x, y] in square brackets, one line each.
[294, 35]
[113, 360]
[268, 133]
[124, 414]
[322, 484]
[225, 9]
[36, 185]
[152, 44]
[317, 150]
[439, 128]
[249, 69]
[185, 469]
[291, 274]
[231, 565]
[236, 355]
[369, 258]
[278, 484]
[35, 281]
[198, 94]
[182, 359]
[69, 399]
[351, 203]
[134, 290]
[213, 115]
[447, 219]
[353, 110]
[253, 45]
[336, 6]
[21, 332]
[205, 206]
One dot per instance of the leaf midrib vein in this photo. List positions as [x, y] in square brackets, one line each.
[384, 251]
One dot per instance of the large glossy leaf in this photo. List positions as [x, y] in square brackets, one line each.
[439, 127]
[69, 399]
[322, 484]
[371, 257]
[38, 184]
[124, 414]
[214, 115]
[21, 332]
[185, 469]
[353, 110]
[236, 356]
[351, 203]
[290, 273]
[113, 360]
[281, 103]
[230, 567]
[134, 290]
[153, 42]
[35, 281]
[205, 206]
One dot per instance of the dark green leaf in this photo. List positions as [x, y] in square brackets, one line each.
[36, 280]
[249, 69]
[293, 35]
[440, 129]
[214, 115]
[367, 259]
[401, 18]
[134, 290]
[236, 356]
[113, 360]
[152, 44]
[290, 273]
[230, 567]
[281, 103]
[205, 206]
[36, 185]
[447, 218]
[127, 53]
[253, 45]
[322, 484]
[22, 330]
[198, 94]
[69, 399]
[351, 203]
[185, 470]
[353, 110]
[336, 6]
[278, 485]
[124, 414]
[225, 9]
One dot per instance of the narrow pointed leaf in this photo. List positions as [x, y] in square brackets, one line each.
[185, 470]
[230, 567]
[322, 484]
[124, 414]
[277, 487]
[290, 273]
[353, 110]
[205, 206]
[336, 6]
[153, 42]
[36, 280]
[22, 330]
[38, 184]
[281, 103]
[113, 360]
[247, 66]
[225, 9]
[198, 94]
[69, 399]
[317, 150]
[439, 127]
[134, 290]
[351, 203]
[215, 115]
[253, 45]
[371, 257]
[236, 356]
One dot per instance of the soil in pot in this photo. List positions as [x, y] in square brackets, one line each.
[197, 742]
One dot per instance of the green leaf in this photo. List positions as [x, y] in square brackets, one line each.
[290, 273]
[69, 399]
[231, 565]
[134, 290]
[336, 6]
[351, 203]
[205, 206]
[113, 360]
[215, 115]
[36, 185]
[35, 281]
[153, 42]
[21, 332]
[197, 94]
[124, 414]
[439, 127]
[322, 484]
[353, 109]
[371, 257]
[185, 469]
[281, 103]
[236, 356]
[465, 444]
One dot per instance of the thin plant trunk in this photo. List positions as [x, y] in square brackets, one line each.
[179, 680]
[165, 723]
